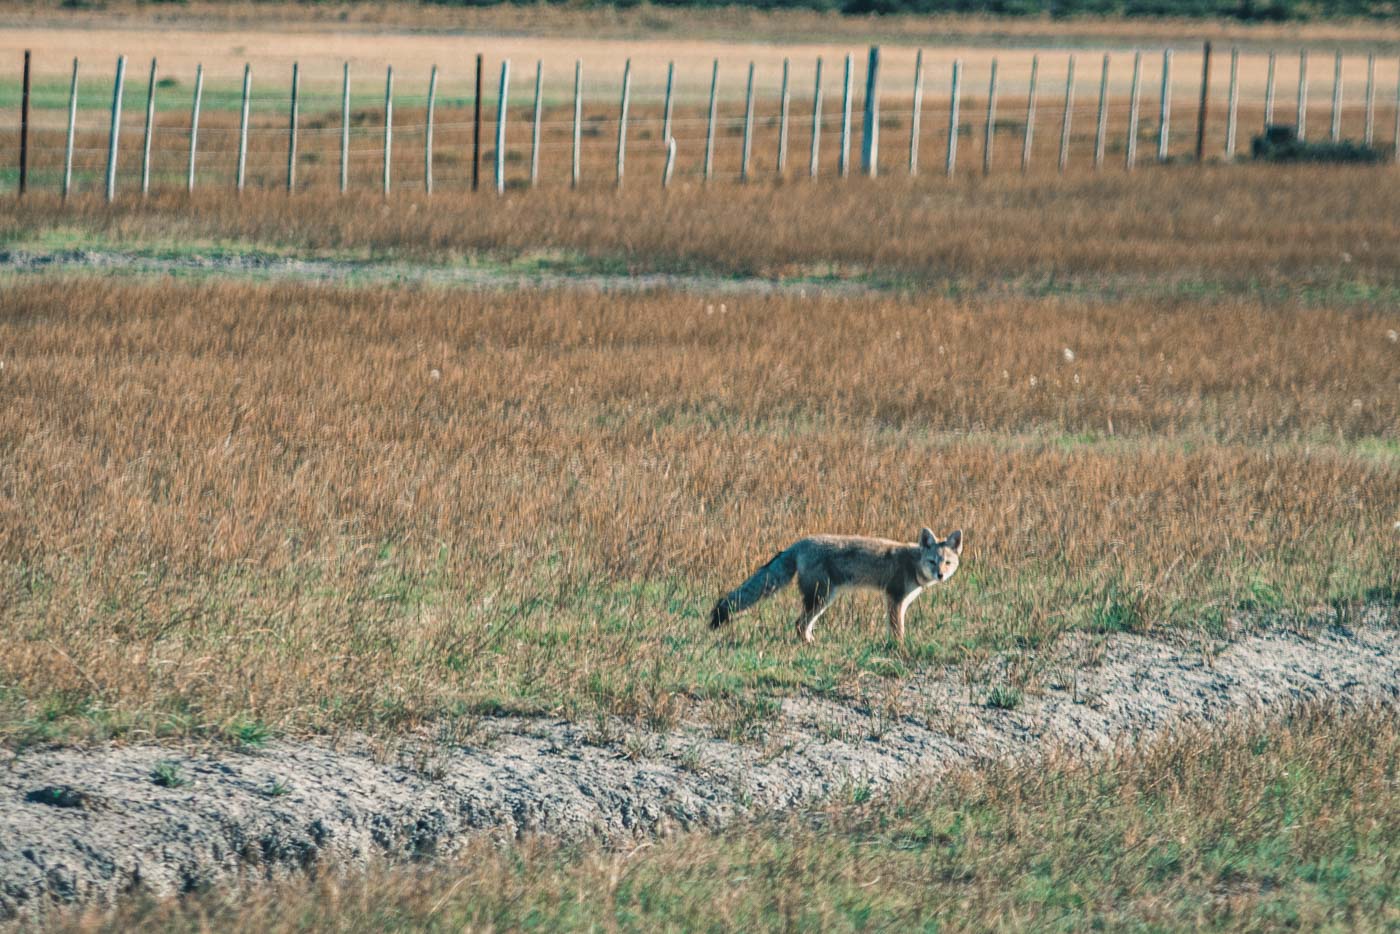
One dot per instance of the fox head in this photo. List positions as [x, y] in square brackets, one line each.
[938, 561]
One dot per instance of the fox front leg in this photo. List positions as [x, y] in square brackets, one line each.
[897, 606]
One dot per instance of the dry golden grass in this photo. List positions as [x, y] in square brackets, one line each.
[313, 507]
[1295, 233]
[1261, 826]
[747, 24]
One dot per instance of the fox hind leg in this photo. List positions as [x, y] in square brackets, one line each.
[816, 599]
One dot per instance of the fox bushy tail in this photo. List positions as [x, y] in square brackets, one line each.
[771, 577]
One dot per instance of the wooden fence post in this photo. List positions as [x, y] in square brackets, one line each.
[1130, 158]
[1068, 117]
[710, 126]
[1027, 141]
[666, 110]
[292, 130]
[916, 118]
[1302, 120]
[72, 127]
[954, 103]
[24, 126]
[502, 105]
[114, 135]
[1269, 90]
[428, 132]
[1337, 98]
[748, 128]
[146, 138]
[388, 129]
[243, 127]
[1101, 127]
[1395, 143]
[1205, 103]
[1370, 132]
[622, 119]
[535, 124]
[194, 124]
[476, 126]
[1164, 113]
[870, 130]
[345, 128]
[784, 105]
[578, 123]
[1232, 104]
[844, 156]
[814, 157]
[991, 121]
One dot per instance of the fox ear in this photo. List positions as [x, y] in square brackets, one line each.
[927, 539]
[955, 541]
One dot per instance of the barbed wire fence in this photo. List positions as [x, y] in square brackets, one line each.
[135, 129]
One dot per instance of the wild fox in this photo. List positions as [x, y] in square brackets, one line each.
[824, 565]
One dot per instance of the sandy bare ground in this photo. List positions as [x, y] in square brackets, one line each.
[82, 826]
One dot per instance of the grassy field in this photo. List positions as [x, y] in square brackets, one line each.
[239, 508]
[1284, 824]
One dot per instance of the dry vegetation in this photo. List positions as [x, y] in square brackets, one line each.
[1293, 234]
[1265, 826]
[311, 508]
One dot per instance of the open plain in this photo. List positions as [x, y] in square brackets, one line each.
[356, 552]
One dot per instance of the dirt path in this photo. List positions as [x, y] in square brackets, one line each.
[91, 825]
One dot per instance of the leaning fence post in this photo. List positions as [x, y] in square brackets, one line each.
[1205, 103]
[784, 103]
[1269, 90]
[1101, 127]
[622, 119]
[710, 125]
[1030, 115]
[24, 126]
[476, 127]
[578, 122]
[535, 125]
[72, 126]
[666, 110]
[1164, 113]
[1068, 117]
[292, 130]
[1302, 120]
[1370, 132]
[954, 103]
[1337, 98]
[1130, 158]
[194, 124]
[146, 138]
[748, 128]
[844, 156]
[502, 102]
[916, 118]
[814, 157]
[991, 121]
[113, 137]
[1233, 103]
[345, 128]
[670, 162]
[428, 132]
[243, 128]
[870, 130]
[388, 128]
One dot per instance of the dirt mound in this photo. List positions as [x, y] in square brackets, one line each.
[92, 825]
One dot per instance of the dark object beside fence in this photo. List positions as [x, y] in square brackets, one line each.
[1281, 144]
